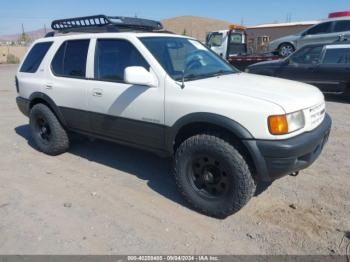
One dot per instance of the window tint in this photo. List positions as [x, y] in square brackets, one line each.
[35, 57]
[337, 56]
[113, 56]
[70, 59]
[342, 26]
[320, 29]
[307, 55]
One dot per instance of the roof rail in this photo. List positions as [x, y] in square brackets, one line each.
[103, 23]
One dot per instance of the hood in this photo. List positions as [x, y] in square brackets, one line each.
[290, 95]
[273, 45]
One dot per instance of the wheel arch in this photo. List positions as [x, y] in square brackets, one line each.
[286, 43]
[42, 98]
[197, 123]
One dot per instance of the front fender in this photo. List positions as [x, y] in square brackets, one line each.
[202, 118]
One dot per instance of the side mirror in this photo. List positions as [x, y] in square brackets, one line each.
[138, 75]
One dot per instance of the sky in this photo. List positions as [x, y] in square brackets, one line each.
[34, 14]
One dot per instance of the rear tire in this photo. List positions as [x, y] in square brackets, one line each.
[286, 49]
[213, 176]
[47, 132]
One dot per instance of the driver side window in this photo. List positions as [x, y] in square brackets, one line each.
[320, 29]
[215, 39]
[307, 55]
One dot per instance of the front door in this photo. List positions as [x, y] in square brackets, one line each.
[128, 113]
[301, 65]
[320, 34]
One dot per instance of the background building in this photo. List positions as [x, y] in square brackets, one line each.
[259, 36]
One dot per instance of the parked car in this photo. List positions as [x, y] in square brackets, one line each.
[169, 94]
[333, 30]
[324, 66]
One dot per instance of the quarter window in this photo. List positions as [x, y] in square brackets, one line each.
[70, 59]
[337, 56]
[113, 56]
[35, 57]
[342, 26]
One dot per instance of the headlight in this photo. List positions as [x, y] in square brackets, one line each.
[285, 124]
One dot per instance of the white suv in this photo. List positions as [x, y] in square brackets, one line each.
[169, 94]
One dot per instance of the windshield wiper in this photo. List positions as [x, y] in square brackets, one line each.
[218, 73]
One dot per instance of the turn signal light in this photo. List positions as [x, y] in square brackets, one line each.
[278, 125]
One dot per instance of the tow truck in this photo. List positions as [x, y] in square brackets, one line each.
[231, 44]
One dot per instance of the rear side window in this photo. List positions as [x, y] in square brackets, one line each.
[337, 56]
[113, 56]
[342, 26]
[70, 59]
[35, 57]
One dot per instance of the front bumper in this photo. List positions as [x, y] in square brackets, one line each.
[275, 159]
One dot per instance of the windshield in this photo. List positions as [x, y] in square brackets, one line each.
[182, 57]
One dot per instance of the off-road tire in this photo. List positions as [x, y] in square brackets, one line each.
[241, 186]
[57, 141]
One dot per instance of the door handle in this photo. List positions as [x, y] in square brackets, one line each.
[97, 92]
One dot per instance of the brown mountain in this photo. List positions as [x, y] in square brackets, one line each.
[194, 26]
[32, 35]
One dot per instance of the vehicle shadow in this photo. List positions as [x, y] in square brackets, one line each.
[142, 164]
[146, 166]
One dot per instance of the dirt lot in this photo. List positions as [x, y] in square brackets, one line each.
[101, 198]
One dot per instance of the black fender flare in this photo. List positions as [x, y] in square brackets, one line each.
[50, 103]
[214, 119]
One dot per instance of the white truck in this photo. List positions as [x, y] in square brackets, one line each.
[123, 80]
[228, 42]
[231, 44]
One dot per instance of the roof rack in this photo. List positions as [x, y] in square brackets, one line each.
[103, 23]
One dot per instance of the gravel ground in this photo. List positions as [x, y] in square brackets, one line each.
[101, 198]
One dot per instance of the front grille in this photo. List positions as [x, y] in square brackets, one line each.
[317, 114]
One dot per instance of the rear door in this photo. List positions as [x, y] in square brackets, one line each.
[332, 75]
[342, 28]
[66, 82]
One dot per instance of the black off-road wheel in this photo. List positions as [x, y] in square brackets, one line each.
[48, 134]
[213, 176]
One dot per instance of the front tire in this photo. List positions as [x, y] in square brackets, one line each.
[213, 176]
[286, 49]
[47, 132]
